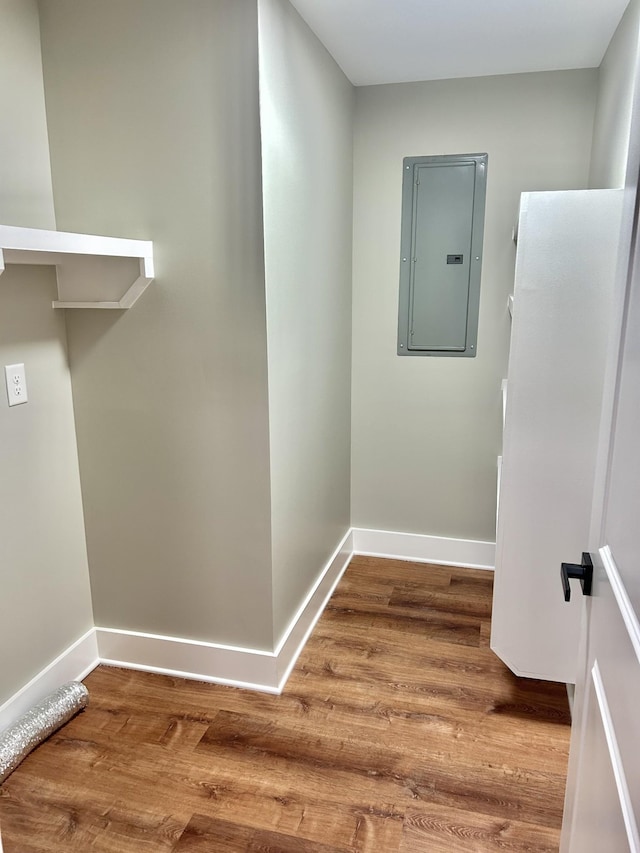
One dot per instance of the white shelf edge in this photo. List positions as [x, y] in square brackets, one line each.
[25, 245]
[503, 388]
[498, 484]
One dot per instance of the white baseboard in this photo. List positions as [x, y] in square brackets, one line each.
[231, 665]
[72, 665]
[295, 637]
[254, 669]
[234, 666]
[469, 553]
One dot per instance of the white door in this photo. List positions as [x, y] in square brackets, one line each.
[603, 788]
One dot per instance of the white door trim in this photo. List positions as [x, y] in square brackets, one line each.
[622, 598]
[626, 805]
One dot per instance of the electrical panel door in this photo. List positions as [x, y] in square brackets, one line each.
[441, 254]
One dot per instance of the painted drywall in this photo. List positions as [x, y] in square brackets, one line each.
[427, 431]
[45, 604]
[154, 133]
[616, 86]
[306, 115]
[25, 175]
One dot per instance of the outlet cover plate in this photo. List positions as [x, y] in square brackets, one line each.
[16, 384]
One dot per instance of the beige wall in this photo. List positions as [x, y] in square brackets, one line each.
[25, 175]
[154, 133]
[45, 602]
[616, 90]
[306, 106]
[426, 431]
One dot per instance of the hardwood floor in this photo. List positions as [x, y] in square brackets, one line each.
[399, 731]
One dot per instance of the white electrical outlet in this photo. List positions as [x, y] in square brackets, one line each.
[16, 384]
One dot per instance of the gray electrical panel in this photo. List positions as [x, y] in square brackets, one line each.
[443, 201]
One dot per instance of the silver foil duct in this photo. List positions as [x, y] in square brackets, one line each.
[36, 725]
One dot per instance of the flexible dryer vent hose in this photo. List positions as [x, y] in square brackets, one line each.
[36, 725]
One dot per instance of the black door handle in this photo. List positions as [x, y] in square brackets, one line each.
[584, 572]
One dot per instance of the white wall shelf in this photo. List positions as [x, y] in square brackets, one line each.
[92, 271]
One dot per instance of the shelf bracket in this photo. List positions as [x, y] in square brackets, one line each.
[128, 299]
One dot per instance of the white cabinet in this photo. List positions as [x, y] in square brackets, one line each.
[562, 305]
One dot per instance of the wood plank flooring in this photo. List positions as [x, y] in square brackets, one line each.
[399, 732]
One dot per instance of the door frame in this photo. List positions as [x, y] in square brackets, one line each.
[628, 265]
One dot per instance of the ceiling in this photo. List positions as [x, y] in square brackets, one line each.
[396, 41]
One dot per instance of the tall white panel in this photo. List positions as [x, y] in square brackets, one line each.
[565, 270]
